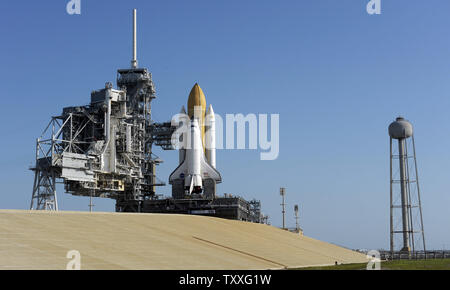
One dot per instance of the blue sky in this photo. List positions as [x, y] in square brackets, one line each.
[336, 75]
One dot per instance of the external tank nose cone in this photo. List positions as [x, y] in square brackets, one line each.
[196, 99]
[197, 108]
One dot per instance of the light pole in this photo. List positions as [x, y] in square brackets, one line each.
[283, 211]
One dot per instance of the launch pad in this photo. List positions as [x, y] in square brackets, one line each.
[104, 149]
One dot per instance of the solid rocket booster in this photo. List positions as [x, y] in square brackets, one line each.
[182, 152]
[210, 137]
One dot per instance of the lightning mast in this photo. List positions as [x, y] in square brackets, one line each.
[134, 63]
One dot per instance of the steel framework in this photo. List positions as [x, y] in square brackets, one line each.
[103, 149]
[406, 218]
[48, 145]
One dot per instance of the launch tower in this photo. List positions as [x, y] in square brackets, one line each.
[104, 149]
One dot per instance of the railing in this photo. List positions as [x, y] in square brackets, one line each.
[387, 255]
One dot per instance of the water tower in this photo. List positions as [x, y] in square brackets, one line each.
[405, 206]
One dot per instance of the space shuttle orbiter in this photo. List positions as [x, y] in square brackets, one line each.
[196, 172]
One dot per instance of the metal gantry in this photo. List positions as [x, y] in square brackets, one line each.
[48, 149]
[104, 149]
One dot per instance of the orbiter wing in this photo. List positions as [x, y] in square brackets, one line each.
[207, 171]
[179, 172]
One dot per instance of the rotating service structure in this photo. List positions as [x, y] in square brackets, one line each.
[104, 149]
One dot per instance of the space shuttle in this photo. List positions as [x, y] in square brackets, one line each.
[196, 172]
